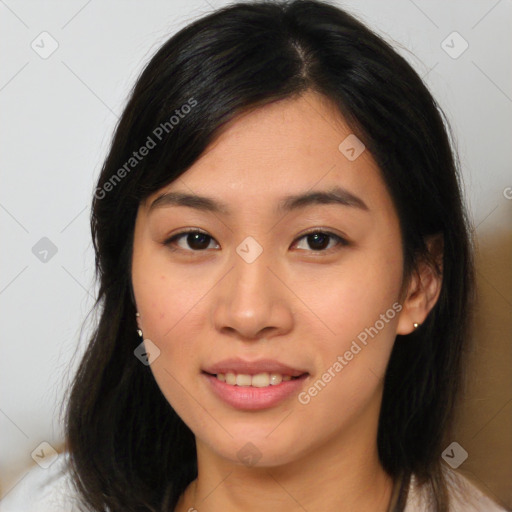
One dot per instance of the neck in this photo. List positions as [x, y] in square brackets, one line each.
[338, 476]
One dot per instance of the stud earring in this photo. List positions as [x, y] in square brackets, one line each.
[415, 325]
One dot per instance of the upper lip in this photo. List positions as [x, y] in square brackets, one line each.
[237, 365]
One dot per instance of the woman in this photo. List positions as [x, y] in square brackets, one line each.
[285, 280]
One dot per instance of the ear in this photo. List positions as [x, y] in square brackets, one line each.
[424, 287]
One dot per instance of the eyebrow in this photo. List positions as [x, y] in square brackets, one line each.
[335, 195]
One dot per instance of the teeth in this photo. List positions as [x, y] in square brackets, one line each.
[243, 380]
[274, 379]
[260, 380]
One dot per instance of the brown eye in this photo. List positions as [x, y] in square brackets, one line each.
[195, 240]
[318, 241]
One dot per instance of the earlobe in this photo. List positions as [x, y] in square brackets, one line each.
[423, 290]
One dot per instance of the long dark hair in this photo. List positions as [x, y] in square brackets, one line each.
[129, 450]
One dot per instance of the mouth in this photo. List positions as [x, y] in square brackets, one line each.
[254, 385]
[258, 380]
[253, 392]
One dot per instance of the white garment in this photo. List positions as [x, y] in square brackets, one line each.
[50, 490]
[464, 496]
[43, 490]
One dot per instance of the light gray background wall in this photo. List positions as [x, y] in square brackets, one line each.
[58, 114]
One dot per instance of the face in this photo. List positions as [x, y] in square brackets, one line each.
[312, 285]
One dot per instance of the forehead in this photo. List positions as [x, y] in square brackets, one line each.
[283, 148]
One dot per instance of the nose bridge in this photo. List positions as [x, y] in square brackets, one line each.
[250, 301]
[251, 276]
[251, 262]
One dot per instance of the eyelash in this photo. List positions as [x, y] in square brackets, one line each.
[341, 241]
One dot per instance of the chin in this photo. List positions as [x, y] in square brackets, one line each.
[255, 448]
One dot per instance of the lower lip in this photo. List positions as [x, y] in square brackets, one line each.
[252, 398]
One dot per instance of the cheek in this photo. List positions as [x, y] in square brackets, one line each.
[354, 295]
[164, 299]
[171, 310]
[356, 311]
[352, 354]
[174, 306]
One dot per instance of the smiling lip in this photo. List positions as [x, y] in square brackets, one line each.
[248, 397]
[237, 365]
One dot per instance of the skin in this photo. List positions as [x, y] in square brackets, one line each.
[295, 304]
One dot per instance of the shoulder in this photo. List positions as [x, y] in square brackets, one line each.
[464, 496]
[44, 490]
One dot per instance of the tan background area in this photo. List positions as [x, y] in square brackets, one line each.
[485, 425]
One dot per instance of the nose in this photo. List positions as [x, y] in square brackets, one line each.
[251, 302]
